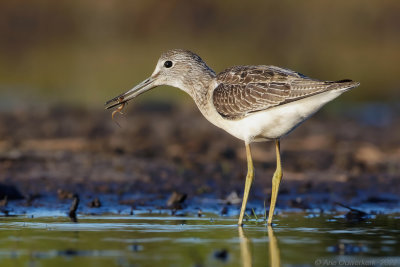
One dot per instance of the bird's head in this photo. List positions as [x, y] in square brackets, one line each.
[178, 68]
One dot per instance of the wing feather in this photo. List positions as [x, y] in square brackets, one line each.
[243, 90]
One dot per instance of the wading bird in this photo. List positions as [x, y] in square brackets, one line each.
[252, 103]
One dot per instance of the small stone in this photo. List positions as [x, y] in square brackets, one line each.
[95, 203]
[176, 200]
[64, 194]
[233, 198]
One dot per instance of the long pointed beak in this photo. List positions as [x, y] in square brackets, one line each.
[134, 92]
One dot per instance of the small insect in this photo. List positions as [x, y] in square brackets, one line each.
[118, 110]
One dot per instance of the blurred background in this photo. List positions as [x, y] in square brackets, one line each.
[85, 52]
[61, 60]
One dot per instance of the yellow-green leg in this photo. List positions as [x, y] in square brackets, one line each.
[249, 181]
[276, 180]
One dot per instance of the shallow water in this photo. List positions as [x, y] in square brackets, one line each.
[150, 240]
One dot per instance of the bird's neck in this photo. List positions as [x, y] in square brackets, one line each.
[200, 87]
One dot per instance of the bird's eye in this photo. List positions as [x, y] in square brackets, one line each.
[168, 64]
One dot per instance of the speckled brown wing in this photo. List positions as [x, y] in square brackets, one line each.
[245, 89]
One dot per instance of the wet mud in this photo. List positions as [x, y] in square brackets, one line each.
[166, 157]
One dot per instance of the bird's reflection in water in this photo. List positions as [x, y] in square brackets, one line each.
[245, 251]
[274, 256]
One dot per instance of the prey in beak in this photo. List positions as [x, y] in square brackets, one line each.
[134, 92]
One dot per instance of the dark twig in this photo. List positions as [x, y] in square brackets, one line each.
[73, 208]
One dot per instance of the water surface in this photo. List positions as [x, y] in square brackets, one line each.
[210, 240]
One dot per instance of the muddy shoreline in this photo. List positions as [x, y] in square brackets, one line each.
[161, 149]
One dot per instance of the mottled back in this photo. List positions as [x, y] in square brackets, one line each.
[246, 89]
